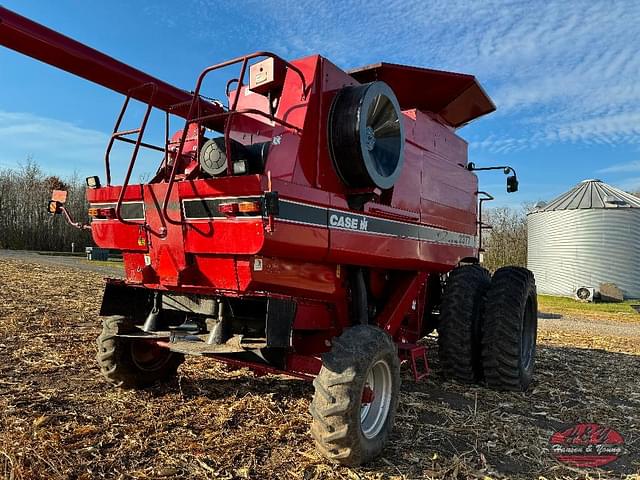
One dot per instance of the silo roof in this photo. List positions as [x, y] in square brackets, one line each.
[592, 193]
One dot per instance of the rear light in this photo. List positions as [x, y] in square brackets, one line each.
[228, 208]
[236, 208]
[249, 207]
[102, 212]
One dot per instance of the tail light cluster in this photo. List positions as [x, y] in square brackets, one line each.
[102, 213]
[231, 209]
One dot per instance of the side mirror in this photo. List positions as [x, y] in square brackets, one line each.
[54, 208]
[512, 184]
[58, 197]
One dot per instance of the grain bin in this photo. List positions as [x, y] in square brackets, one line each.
[584, 238]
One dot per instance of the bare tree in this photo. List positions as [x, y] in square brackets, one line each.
[24, 220]
[506, 243]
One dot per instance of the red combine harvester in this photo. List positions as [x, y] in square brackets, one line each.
[317, 223]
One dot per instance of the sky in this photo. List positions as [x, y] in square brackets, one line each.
[564, 75]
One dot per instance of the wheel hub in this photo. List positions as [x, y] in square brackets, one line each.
[148, 356]
[367, 395]
[376, 399]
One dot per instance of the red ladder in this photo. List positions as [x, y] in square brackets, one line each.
[415, 354]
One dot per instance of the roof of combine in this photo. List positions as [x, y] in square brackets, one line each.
[458, 98]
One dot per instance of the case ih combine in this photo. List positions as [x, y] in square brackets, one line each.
[317, 223]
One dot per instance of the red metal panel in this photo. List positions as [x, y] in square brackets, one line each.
[314, 316]
[458, 98]
[294, 277]
[134, 267]
[115, 235]
[355, 248]
[292, 240]
[406, 192]
[283, 155]
[166, 251]
[220, 187]
[429, 134]
[110, 194]
[442, 258]
[448, 198]
[217, 272]
[227, 236]
[400, 302]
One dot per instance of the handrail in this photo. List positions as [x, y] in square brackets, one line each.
[481, 225]
[232, 111]
[117, 135]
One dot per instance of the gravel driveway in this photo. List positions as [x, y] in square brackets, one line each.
[79, 263]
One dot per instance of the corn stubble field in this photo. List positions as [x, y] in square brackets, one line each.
[61, 420]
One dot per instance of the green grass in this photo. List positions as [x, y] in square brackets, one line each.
[115, 262]
[551, 304]
[61, 254]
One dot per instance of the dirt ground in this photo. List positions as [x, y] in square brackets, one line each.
[61, 420]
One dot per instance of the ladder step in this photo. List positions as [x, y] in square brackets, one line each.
[415, 355]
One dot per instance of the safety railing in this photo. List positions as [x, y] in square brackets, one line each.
[194, 115]
[123, 136]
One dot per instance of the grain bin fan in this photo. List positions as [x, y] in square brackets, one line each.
[585, 294]
[317, 222]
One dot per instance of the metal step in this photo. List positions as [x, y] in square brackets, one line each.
[197, 344]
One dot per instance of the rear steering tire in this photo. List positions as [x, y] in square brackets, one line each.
[510, 328]
[356, 396]
[132, 363]
[460, 323]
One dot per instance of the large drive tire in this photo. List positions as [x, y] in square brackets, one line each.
[460, 323]
[132, 363]
[351, 426]
[510, 329]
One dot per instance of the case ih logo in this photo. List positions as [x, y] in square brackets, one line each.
[345, 221]
[587, 445]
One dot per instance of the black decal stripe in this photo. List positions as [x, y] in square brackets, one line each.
[128, 210]
[312, 215]
[302, 213]
[322, 217]
[206, 208]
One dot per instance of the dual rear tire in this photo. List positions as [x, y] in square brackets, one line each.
[487, 332]
[488, 327]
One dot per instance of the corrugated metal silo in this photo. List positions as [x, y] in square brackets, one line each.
[585, 237]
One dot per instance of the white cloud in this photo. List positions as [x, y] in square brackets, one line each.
[68, 147]
[48, 140]
[627, 167]
[631, 184]
[559, 71]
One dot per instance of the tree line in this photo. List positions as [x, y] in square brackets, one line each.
[25, 223]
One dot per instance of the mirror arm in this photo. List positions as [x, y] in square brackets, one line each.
[512, 181]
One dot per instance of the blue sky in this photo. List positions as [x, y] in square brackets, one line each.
[565, 75]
